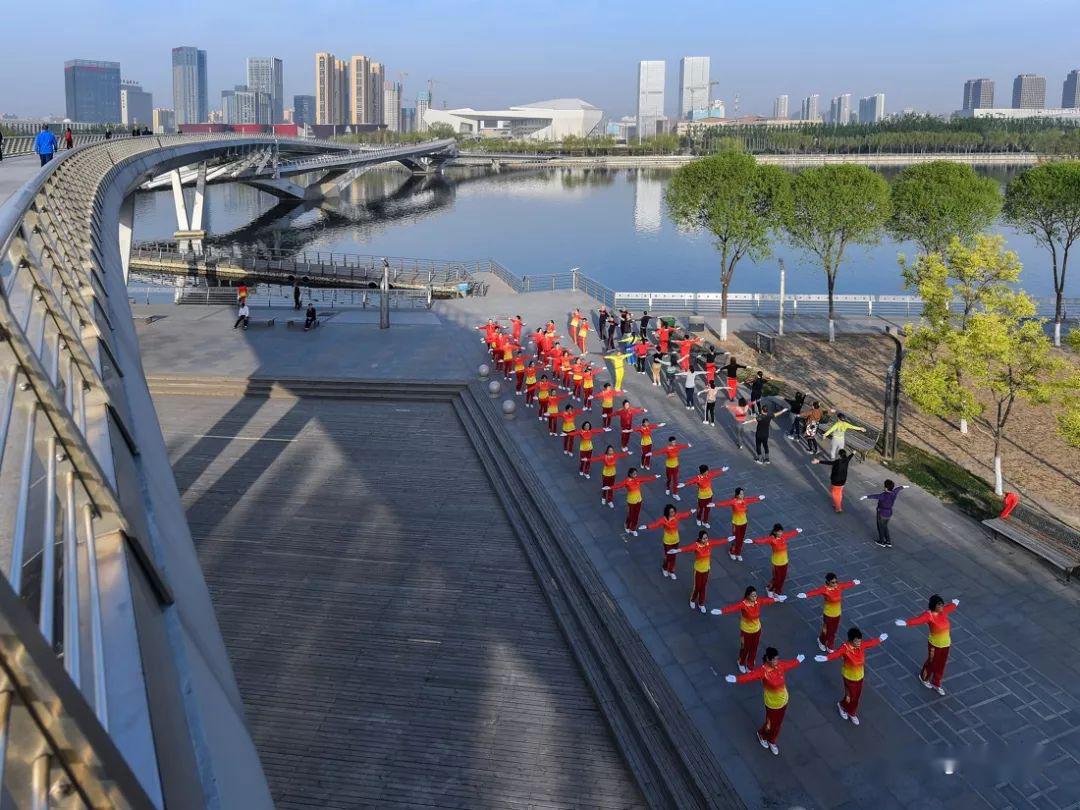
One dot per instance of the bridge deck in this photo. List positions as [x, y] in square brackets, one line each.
[388, 655]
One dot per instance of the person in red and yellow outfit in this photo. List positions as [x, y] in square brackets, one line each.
[703, 481]
[671, 466]
[543, 391]
[552, 412]
[588, 383]
[585, 448]
[530, 383]
[702, 549]
[577, 375]
[646, 429]
[749, 609]
[508, 349]
[634, 499]
[738, 506]
[937, 647]
[626, 422]
[771, 674]
[670, 524]
[566, 370]
[568, 414]
[519, 371]
[853, 653]
[515, 328]
[607, 474]
[777, 539]
[583, 335]
[607, 403]
[833, 592]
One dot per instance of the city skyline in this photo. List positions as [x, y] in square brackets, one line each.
[951, 50]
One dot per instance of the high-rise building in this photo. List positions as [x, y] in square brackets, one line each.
[392, 106]
[1070, 91]
[872, 109]
[650, 105]
[1029, 92]
[190, 93]
[840, 109]
[136, 105]
[693, 84]
[978, 94]
[244, 105]
[326, 90]
[164, 121]
[376, 79]
[359, 90]
[423, 103]
[780, 107]
[92, 91]
[809, 110]
[408, 120]
[265, 75]
[303, 110]
[341, 91]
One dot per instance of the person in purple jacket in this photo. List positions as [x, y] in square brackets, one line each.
[885, 501]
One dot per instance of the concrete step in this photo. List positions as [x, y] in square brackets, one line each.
[418, 390]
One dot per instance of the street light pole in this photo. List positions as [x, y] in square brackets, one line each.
[892, 396]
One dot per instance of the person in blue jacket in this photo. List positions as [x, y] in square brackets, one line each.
[45, 144]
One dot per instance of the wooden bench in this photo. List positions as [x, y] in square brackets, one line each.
[1062, 552]
[861, 442]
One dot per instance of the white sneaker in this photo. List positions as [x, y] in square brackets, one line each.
[587, 475]
[840, 709]
[775, 749]
[706, 525]
[698, 522]
[676, 497]
[693, 605]
[739, 557]
[704, 421]
[940, 690]
[611, 505]
[603, 502]
[770, 594]
[927, 684]
[821, 646]
[702, 609]
[665, 573]
[673, 575]
[854, 720]
[743, 669]
[763, 743]
[667, 491]
[634, 533]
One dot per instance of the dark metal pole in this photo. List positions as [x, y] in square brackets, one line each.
[384, 297]
[893, 429]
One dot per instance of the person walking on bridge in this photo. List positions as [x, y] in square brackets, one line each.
[634, 499]
[45, 144]
[833, 593]
[771, 674]
[703, 481]
[749, 610]
[69, 139]
[853, 654]
[738, 505]
[837, 477]
[609, 460]
[702, 548]
[670, 524]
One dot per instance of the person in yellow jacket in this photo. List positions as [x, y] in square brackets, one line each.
[837, 431]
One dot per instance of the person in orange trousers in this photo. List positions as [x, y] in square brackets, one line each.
[585, 446]
[837, 476]
[853, 670]
[702, 548]
[634, 499]
[833, 591]
[749, 610]
[703, 481]
[670, 524]
[771, 674]
[738, 506]
[609, 459]
[645, 429]
[777, 539]
[671, 466]
[939, 642]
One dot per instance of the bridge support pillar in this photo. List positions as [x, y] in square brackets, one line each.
[127, 223]
[189, 231]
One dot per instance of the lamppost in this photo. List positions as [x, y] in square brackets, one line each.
[892, 397]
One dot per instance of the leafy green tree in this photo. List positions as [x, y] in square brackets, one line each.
[1044, 202]
[440, 130]
[832, 207]
[737, 200]
[934, 202]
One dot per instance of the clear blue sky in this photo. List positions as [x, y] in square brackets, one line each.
[496, 53]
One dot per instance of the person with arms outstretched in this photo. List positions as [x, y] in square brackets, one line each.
[938, 643]
[568, 432]
[738, 505]
[634, 499]
[670, 524]
[626, 422]
[609, 460]
[853, 670]
[771, 674]
[671, 466]
[585, 447]
[838, 431]
[777, 540]
[703, 481]
[732, 372]
[833, 593]
[646, 429]
[749, 610]
[702, 548]
[886, 500]
[837, 477]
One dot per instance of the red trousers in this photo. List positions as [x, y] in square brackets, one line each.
[520, 380]
[838, 497]
[703, 509]
[530, 394]
[774, 719]
[829, 626]
[852, 693]
[633, 514]
[732, 387]
[605, 412]
[684, 362]
[748, 644]
[568, 444]
[646, 455]
[586, 399]
[934, 668]
[567, 376]
[701, 584]
[552, 419]
[585, 460]
[739, 530]
[671, 479]
[710, 372]
[779, 574]
[669, 559]
[624, 437]
[608, 481]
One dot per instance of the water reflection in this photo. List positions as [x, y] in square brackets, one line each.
[648, 203]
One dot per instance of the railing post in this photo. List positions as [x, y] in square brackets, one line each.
[870, 307]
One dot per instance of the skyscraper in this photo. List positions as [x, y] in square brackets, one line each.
[190, 95]
[693, 84]
[423, 102]
[375, 93]
[809, 110]
[92, 91]
[650, 106]
[978, 94]
[1029, 92]
[265, 75]
[244, 105]
[164, 121]
[136, 105]
[325, 92]
[408, 119]
[872, 109]
[1070, 91]
[392, 106]
[303, 110]
[780, 107]
[359, 90]
[840, 109]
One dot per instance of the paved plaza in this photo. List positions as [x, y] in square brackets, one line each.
[1007, 734]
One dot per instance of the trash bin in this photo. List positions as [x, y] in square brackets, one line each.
[696, 323]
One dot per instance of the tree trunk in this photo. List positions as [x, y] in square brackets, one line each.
[832, 325]
[999, 488]
[963, 426]
[723, 309]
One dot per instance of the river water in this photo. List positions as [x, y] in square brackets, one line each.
[611, 223]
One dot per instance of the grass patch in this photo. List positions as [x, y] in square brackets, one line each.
[946, 480]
